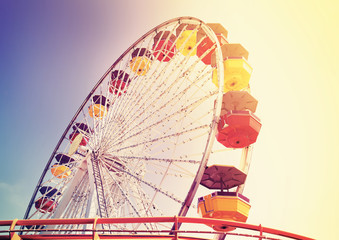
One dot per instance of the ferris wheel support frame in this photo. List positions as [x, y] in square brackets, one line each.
[68, 194]
[245, 163]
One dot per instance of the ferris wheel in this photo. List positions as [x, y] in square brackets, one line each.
[143, 139]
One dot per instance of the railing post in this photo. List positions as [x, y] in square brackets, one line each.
[95, 234]
[13, 235]
[175, 227]
[260, 236]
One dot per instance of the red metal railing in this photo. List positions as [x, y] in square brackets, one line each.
[12, 233]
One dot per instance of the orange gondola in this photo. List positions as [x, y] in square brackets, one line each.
[224, 205]
[60, 171]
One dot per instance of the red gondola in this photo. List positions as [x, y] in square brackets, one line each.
[238, 129]
[119, 82]
[73, 135]
[45, 204]
[164, 47]
[207, 44]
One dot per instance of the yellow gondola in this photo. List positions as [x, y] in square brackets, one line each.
[141, 61]
[98, 109]
[187, 39]
[237, 71]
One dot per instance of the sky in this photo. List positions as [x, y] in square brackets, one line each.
[53, 52]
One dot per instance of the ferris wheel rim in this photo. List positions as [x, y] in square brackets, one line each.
[209, 144]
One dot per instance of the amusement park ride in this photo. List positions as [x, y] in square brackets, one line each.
[162, 121]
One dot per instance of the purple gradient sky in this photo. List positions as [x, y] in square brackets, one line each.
[53, 52]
